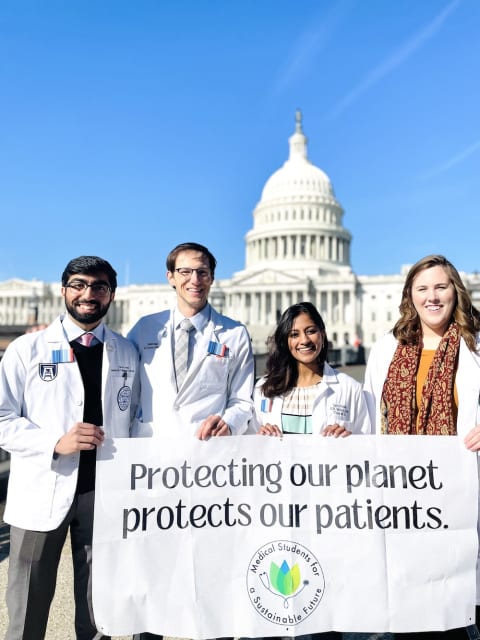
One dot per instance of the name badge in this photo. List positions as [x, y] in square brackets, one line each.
[340, 411]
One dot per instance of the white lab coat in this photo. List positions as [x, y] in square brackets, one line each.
[467, 381]
[339, 400]
[36, 412]
[214, 385]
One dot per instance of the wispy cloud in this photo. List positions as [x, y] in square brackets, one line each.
[454, 160]
[309, 45]
[397, 58]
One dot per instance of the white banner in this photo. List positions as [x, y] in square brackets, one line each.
[262, 536]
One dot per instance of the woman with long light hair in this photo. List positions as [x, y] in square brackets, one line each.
[423, 378]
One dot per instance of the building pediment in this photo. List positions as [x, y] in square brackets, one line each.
[16, 284]
[266, 276]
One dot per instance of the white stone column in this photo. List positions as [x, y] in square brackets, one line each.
[262, 315]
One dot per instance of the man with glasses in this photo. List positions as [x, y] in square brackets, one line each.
[57, 388]
[196, 365]
[209, 392]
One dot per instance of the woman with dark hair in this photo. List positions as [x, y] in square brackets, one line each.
[300, 392]
[423, 378]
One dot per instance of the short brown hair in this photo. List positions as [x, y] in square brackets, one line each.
[190, 246]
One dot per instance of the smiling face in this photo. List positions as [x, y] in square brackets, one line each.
[192, 289]
[434, 299]
[88, 307]
[305, 340]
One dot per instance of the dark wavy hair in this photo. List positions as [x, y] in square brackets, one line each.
[282, 368]
[408, 329]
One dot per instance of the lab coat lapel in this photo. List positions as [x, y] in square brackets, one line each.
[328, 378]
[199, 353]
[468, 387]
[164, 359]
[55, 335]
[56, 339]
[320, 404]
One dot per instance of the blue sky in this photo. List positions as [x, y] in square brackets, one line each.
[129, 126]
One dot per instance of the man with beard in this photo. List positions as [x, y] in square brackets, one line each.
[57, 388]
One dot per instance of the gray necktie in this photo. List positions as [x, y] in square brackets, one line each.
[181, 351]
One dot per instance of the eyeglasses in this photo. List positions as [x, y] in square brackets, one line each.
[98, 288]
[186, 272]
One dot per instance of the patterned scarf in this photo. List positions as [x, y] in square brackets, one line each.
[398, 405]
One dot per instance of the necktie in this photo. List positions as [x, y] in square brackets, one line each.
[181, 351]
[86, 339]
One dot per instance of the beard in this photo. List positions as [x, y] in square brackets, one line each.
[88, 318]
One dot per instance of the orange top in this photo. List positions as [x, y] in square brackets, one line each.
[426, 359]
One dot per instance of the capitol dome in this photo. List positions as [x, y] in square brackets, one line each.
[298, 221]
[298, 176]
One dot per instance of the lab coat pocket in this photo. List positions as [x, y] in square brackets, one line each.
[214, 372]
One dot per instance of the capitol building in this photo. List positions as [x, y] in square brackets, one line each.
[297, 249]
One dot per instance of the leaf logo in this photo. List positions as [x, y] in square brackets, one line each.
[285, 580]
[285, 583]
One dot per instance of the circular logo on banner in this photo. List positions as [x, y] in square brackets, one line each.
[123, 398]
[285, 582]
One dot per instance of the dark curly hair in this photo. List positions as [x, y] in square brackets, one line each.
[282, 368]
[408, 329]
